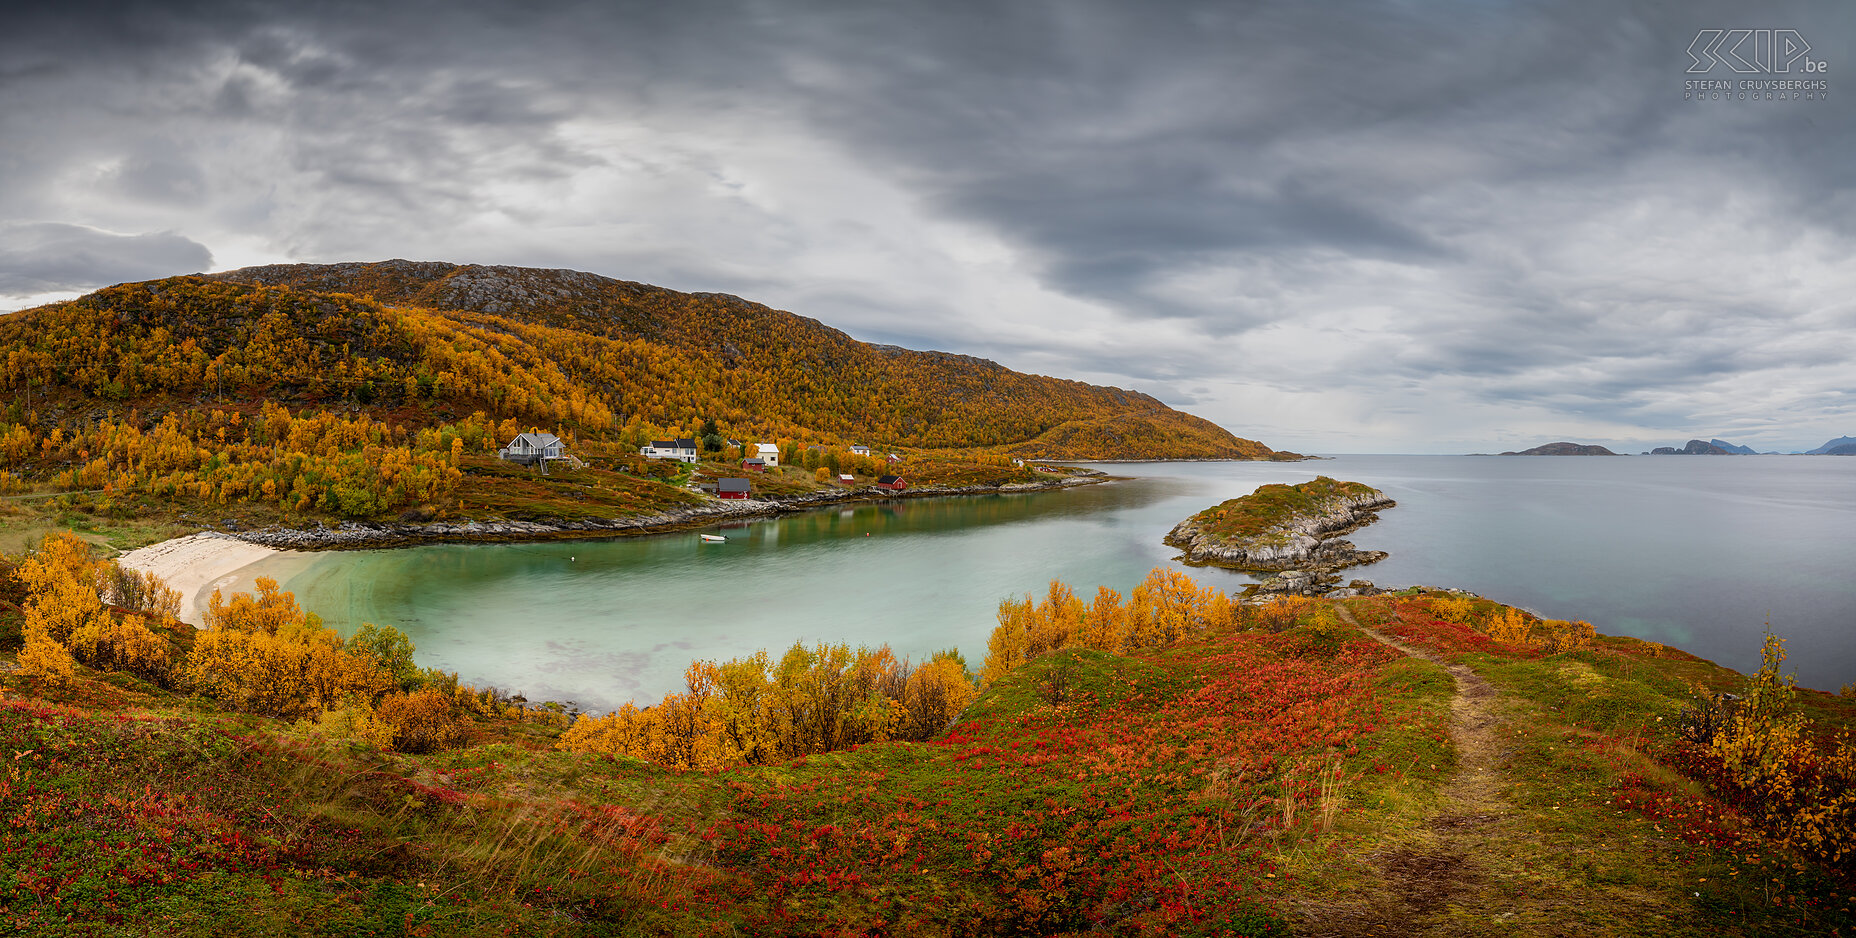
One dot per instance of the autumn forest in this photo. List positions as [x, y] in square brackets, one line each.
[361, 390]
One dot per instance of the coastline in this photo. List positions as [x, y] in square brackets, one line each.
[197, 564]
[355, 535]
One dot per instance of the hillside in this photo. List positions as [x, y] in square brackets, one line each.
[1424, 762]
[753, 367]
[367, 390]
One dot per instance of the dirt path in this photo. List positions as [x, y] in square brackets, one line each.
[1435, 880]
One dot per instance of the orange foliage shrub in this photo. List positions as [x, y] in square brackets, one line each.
[1763, 753]
[1458, 609]
[422, 721]
[269, 611]
[935, 694]
[1282, 612]
[1511, 626]
[1515, 627]
[44, 658]
[755, 710]
[265, 655]
[66, 620]
[1167, 607]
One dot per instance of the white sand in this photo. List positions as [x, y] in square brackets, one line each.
[196, 565]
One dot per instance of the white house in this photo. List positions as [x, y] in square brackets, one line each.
[767, 453]
[680, 450]
[531, 448]
[860, 450]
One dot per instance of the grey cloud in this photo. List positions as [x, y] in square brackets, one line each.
[1217, 172]
[48, 257]
[160, 177]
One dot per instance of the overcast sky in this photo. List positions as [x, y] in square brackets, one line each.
[1333, 227]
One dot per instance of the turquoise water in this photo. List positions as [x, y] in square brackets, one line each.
[1692, 551]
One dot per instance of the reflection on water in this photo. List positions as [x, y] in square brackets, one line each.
[1691, 551]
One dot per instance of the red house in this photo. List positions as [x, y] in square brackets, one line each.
[755, 464]
[845, 478]
[893, 483]
[732, 488]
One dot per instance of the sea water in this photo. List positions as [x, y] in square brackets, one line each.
[1694, 551]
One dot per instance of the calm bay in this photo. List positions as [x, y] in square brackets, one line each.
[1696, 552]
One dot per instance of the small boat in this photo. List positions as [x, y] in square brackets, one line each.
[713, 538]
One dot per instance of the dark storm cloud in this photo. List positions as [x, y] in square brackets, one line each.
[1445, 206]
[47, 257]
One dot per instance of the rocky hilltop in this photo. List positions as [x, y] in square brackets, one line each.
[1294, 529]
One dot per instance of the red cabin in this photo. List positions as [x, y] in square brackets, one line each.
[732, 488]
[893, 483]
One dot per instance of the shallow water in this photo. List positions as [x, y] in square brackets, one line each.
[1692, 551]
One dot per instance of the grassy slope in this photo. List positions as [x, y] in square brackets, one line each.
[1313, 780]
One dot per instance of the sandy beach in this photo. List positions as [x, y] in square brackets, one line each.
[198, 564]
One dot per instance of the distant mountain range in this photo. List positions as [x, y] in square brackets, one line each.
[1841, 446]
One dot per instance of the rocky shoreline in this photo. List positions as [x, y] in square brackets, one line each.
[1305, 553]
[353, 535]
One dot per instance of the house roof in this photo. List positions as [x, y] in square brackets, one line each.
[888, 480]
[673, 444]
[766, 448]
[535, 440]
[754, 461]
[732, 485]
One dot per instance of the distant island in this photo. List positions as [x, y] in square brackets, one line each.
[1291, 529]
[1840, 446]
[1702, 448]
[1564, 449]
